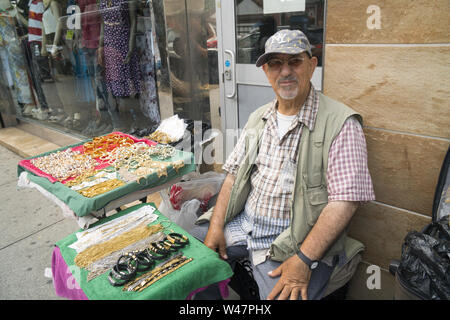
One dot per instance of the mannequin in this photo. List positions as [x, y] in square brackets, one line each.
[148, 98]
[50, 17]
[101, 115]
[117, 52]
[40, 69]
[63, 65]
[16, 59]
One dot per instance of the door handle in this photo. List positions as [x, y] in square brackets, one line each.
[233, 71]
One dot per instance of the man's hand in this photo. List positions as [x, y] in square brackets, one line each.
[294, 280]
[215, 240]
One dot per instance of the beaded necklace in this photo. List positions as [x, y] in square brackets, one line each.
[65, 164]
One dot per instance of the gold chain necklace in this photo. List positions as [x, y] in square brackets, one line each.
[101, 188]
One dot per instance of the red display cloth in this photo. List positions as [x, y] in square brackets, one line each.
[30, 167]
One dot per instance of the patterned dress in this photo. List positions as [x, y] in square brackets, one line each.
[148, 98]
[16, 59]
[122, 79]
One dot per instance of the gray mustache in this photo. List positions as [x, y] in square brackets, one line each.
[289, 78]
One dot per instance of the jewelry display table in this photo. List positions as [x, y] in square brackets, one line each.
[88, 209]
[204, 269]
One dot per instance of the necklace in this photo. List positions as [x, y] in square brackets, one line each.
[102, 249]
[65, 164]
[101, 188]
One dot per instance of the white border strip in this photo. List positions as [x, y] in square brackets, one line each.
[387, 45]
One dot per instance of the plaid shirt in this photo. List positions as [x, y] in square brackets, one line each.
[267, 209]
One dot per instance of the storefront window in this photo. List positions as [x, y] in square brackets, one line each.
[254, 27]
[83, 66]
[88, 67]
[189, 34]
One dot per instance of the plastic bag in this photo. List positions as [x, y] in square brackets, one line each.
[173, 126]
[202, 188]
[188, 214]
[183, 202]
[166, 208]
[185, 217]
[425, 264]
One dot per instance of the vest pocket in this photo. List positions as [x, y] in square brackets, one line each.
[317, 198]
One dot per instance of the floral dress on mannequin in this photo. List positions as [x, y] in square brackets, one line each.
[122, 79]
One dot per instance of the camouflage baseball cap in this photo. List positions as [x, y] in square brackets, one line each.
[285, 41]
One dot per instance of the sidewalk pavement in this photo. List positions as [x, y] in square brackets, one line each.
[30, 226]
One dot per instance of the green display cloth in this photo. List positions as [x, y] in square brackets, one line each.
[206, 268]
[82, 206]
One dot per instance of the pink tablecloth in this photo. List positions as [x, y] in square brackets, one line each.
[66, 285]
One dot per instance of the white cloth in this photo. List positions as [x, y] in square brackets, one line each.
[113, 228]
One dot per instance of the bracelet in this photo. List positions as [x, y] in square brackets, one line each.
[159, 249]
[173, 246]
[117, 277]
[145, 261]
[124, 270]
[114, 281]
[131, 264]
[178, 238]
[153, 255]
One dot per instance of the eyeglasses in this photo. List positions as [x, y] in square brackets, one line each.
[276, 64]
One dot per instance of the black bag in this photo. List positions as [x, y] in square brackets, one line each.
[243, 282]
[424, 269]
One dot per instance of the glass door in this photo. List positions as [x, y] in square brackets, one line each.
[244, 26]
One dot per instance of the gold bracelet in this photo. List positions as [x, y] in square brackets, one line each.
[156, 274]
[81, 178]
[160, 276]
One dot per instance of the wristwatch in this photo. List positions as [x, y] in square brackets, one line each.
[311, 264]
